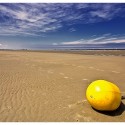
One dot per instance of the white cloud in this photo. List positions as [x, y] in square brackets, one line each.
[116, 41]
[100, 14]
[3, 46]
[72, 30]
[29, 19]
[110, 39]
[98, 40]
[81, 6]
[72, 43]
[106, 11]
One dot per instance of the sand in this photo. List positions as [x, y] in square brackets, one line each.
[50, 87]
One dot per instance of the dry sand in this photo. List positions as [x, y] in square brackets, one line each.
[37, 86]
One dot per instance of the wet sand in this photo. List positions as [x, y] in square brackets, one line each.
[50, 86]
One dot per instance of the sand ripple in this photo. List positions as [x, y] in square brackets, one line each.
[38, 86]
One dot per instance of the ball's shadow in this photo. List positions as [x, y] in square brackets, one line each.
[116, 112]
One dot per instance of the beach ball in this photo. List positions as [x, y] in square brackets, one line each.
[103, 95]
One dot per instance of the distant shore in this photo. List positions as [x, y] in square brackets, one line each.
[102, 52]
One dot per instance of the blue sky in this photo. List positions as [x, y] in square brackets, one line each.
[40, 25]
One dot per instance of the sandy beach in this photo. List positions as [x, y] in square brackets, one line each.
[50, 86]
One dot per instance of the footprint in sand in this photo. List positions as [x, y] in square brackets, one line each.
[80, 66]
[85, 79]
[100, 70]
[61, 73]
[91, 67]
[82, 117]
[66, 77]
[115, 72]
[77, 103]
[96, 69]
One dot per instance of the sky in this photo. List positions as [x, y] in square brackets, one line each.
[62, 25]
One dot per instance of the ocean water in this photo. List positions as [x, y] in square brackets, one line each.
[76, 47]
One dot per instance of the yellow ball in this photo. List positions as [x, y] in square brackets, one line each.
[103, 95]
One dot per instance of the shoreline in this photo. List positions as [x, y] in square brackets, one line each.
[97, 52]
